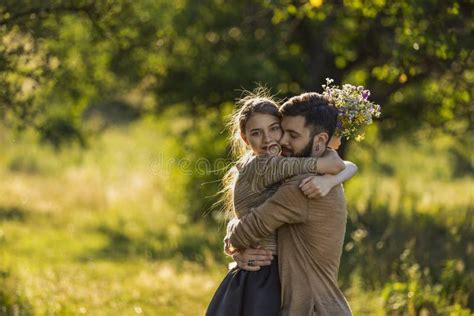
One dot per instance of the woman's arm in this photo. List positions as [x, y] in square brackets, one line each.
[266, 171]
[331, 163]
[228, 250]
[260, 256]
[319, 186]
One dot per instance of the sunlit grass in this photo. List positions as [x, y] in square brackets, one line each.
[57, 207]
[104, 230]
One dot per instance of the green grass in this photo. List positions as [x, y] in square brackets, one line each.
[91, 232]
[106, 230]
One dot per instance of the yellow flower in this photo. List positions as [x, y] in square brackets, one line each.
[316, 3]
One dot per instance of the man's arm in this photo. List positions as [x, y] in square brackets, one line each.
[287, 206]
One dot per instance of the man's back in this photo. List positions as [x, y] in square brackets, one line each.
[310, 239]
[310, 256]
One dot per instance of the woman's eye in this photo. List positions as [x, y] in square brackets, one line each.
[275, 128]
[255, 133]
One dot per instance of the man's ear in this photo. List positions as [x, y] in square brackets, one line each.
[321, 139]
[244, 138]
[325, 138]
[319, 144]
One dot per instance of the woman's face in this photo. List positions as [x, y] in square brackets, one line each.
[262, 130]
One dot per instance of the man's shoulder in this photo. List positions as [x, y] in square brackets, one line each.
[296, 180]
[293, 184]
[334, 197]
[290, 189]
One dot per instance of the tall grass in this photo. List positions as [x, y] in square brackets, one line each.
[118, 227]
[101, 230]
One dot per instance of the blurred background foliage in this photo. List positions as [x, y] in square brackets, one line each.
[113, 143]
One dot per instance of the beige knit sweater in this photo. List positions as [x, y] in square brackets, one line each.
[310, 239]
[259, 178]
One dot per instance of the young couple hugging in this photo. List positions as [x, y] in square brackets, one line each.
[290, 214]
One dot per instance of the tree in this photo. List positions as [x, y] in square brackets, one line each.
[58, 57]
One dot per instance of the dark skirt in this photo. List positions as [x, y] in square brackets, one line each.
[246, 293]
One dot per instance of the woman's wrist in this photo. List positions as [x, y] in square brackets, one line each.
[333, 180]
[330, 164]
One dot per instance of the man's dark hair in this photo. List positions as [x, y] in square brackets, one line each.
[319, 114]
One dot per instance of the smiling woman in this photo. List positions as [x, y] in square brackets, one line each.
[261, 131]
[125, 194]
[253, 288]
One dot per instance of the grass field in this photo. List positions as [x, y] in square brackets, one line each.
[104, 231]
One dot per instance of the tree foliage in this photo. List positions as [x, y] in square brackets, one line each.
[58, 57]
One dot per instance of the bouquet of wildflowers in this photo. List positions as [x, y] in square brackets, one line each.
[355, 110]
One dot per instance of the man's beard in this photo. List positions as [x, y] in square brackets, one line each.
[305, 152]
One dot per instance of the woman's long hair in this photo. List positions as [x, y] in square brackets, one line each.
[258, 101]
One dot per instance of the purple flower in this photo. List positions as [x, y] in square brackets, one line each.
[338, 124]
[365, 94]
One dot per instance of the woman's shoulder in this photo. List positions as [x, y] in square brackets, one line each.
[244, 164]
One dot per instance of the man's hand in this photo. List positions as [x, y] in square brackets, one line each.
[260, 257]
[317, 186]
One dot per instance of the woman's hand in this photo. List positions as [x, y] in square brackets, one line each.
[260, 257]
[317, 186]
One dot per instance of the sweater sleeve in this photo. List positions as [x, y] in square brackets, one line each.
[230, 227]
[228, 250]
[267, 171]
[287, 206]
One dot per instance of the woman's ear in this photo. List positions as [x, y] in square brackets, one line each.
[244, 138]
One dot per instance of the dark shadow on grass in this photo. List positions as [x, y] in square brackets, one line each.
[12, 301]
[191, 245]
[381, 247]
[12, 213]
